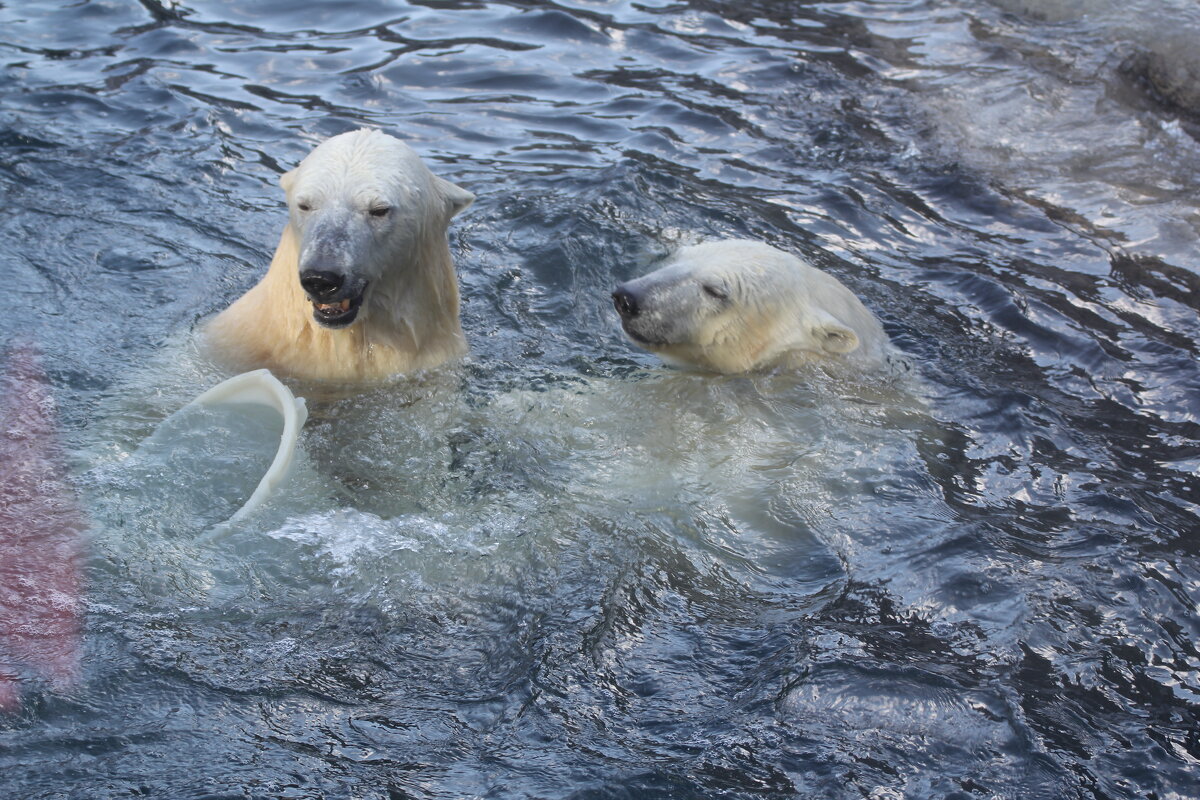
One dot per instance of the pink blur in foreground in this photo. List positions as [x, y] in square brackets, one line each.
[41, 536]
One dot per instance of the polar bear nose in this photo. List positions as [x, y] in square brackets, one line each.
[321, 285]
[625, 301]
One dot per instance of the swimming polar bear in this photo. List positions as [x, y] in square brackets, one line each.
[738, 305]
[362, 285]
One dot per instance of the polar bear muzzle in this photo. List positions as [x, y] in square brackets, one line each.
[335, 300]
[627, 303]
[630, 302]
[664, 308]
[334, 263]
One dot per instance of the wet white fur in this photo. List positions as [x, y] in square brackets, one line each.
[779, 311]
[410, 314]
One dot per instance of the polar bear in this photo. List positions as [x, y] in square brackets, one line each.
[738, 305]
[362, 285]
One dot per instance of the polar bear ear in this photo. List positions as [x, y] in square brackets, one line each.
[832, 335]
[286, 180]
[457, 198]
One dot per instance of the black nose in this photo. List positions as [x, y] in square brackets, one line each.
[321, 285]
[625, 302]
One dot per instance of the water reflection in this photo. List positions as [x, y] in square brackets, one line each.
[42, 532]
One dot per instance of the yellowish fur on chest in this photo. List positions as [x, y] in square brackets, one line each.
[272, 326]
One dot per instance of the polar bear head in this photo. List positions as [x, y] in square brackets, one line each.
[733, 306]
[361, 206]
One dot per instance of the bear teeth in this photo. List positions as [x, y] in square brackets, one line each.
[328, 307]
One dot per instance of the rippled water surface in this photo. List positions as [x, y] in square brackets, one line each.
[561, 569]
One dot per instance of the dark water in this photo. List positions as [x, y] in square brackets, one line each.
[562, 570]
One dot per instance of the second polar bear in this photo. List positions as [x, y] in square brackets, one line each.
[362, 285]
[739, 305]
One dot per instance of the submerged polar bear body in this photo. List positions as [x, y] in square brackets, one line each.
[738, 305]
[362, 285]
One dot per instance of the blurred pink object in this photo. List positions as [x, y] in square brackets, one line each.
[41, 536]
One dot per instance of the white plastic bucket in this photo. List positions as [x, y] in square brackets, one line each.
[261, 388]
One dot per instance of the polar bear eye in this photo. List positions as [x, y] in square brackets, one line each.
[304, 206]
[380, 211]
[718, 292]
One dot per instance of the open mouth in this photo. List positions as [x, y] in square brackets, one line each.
[338, 314]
